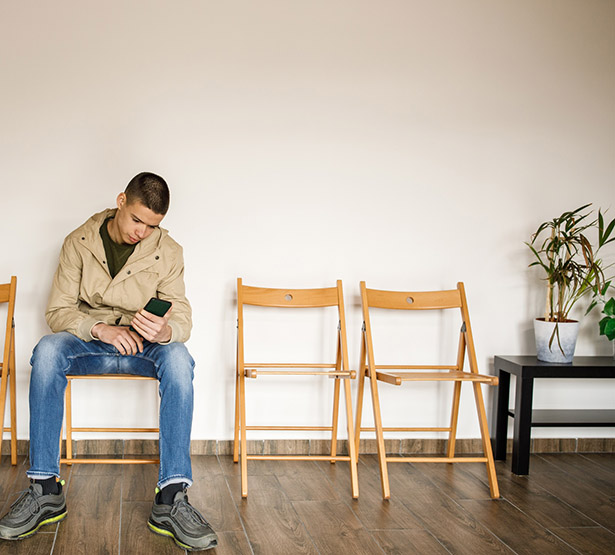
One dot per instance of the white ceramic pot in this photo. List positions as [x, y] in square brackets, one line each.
[568, 332]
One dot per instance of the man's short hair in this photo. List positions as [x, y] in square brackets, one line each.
[150, 190]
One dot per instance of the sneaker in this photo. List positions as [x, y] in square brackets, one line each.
[31, 511]
[182, 522]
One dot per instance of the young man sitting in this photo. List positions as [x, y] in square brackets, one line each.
[109, 268]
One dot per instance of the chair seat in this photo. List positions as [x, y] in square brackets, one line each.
[396, 378]
[70, 458]
[307, 369]
[109, 377]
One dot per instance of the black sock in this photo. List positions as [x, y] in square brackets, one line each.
[50, 485]
[166, 495]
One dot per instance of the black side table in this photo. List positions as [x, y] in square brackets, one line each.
[526, 368]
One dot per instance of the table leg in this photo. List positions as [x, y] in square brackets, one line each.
[523, 426]
[500, 416]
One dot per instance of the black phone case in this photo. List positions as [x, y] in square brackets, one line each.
[157, 307]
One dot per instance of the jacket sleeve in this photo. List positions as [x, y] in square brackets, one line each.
[172, 288]
[63, 312]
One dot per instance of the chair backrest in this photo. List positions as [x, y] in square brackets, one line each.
[424, 300]
[8, 292]
[292, 298]
[413, 300]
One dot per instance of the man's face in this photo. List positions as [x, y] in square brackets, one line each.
[133, 221]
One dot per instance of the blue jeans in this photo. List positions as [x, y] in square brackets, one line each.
[62, 353]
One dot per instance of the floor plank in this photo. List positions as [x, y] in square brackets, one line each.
[402, 542]
[232, 543]
[374, 512]
[275, 528]
[93, 522]
[206, 466]
[334, 528]
[454, 527]
[581, 467]
[589, 541]
[576, 493]
[11, 477]
[87, 469]
[262, 488]
[257, 468]
[40, 544]
[606, 460]
[139, 482]
[542, 506]
[456, 480]
[518, 531]
[304, 481]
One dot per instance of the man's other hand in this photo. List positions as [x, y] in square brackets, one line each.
[125, 341]
[154, 328]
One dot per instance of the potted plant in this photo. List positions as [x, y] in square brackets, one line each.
[572, 270]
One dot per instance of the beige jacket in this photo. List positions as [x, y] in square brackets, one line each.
[84, 294]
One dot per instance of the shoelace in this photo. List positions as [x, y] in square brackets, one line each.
[26, 500]
[187, 510]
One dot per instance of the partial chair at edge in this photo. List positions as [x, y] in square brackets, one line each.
[398, 374]
[8, 293]
[338, 371]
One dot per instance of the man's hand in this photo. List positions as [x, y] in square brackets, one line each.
[125, 341]
[154, 328]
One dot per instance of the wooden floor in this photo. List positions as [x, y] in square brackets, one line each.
[566, 505]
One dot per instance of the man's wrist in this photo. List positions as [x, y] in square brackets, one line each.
[95, 329]
[168, 335]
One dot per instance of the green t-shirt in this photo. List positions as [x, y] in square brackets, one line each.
[117, 254]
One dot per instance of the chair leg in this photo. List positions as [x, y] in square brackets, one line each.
[382, 456]
[69, 423]
[236, 433]
[336, 410]
[360, 393]
[484, 432]
[452, 436]
[4, 377]
[13, 395]
[242, 434]
[352, 453]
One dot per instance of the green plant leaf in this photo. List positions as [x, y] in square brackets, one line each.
[604, 238]
[609, 329]
[602, 325]
[600, 223]
[605, 288]
[609, 307]
[591, 306]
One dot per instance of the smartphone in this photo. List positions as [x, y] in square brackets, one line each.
[159, 307]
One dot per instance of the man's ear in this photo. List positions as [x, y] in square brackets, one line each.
[121, 200]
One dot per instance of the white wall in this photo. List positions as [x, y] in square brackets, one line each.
[409, 144]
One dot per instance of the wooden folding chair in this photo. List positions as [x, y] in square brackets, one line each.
[8, 292]
[294, 298]
[70, 458]
[398, 374]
